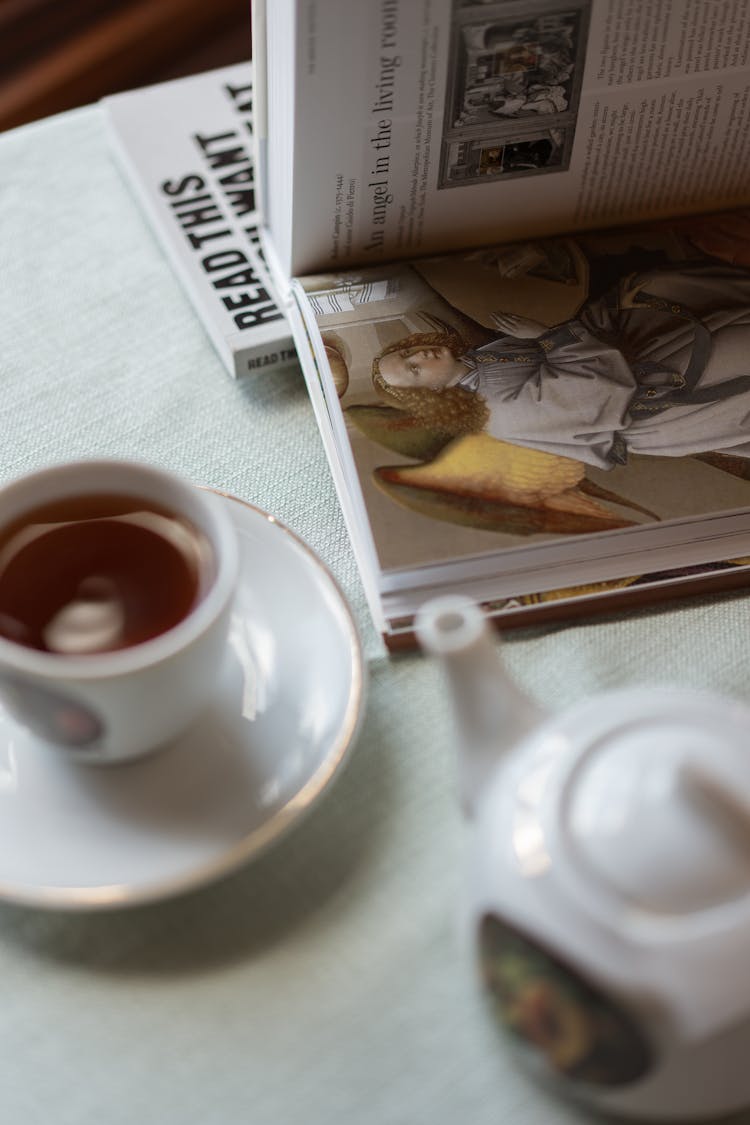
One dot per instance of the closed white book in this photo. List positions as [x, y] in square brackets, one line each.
[186, 149]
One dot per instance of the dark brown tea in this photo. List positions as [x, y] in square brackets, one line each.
[96, 573]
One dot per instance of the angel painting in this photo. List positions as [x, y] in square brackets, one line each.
[658, 365]
[504, 424]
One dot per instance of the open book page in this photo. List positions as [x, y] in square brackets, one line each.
[577, 407]
[426, 125]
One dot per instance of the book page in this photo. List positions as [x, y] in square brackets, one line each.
[585, 396]
[425, 125]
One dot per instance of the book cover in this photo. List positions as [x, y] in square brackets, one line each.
[186, 150]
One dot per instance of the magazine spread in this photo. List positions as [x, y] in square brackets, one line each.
[567, 412]
[401, 127]
[186, 150]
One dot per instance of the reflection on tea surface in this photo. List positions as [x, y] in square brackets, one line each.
[99, 572]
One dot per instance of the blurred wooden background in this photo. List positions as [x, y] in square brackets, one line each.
[58, 54]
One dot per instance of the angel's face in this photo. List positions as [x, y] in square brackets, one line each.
[434, 367]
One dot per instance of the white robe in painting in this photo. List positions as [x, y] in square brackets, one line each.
[660, 365]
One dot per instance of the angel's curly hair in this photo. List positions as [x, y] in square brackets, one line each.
[453, 410]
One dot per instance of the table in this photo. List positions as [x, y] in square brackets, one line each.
[328, 982]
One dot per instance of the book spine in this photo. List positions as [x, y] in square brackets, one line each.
[259, 359]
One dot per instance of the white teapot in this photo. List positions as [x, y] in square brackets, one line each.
[610, 881]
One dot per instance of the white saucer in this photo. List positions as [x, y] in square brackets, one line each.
[287, 710]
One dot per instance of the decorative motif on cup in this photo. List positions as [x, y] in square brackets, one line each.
[551, 1011]
[51, 715]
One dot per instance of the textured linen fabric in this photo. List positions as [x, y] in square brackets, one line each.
[328, 983]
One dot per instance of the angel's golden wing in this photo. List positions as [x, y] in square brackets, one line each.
[480, 481]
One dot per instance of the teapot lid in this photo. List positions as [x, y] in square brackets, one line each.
[657, 806]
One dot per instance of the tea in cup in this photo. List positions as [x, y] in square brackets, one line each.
[116, 586]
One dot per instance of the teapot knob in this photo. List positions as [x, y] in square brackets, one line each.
[657, 810]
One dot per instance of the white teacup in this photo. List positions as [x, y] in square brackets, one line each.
[117, 704]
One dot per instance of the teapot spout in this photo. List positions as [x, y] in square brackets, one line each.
[491, 714]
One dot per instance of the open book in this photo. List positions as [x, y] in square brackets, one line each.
[501, 233]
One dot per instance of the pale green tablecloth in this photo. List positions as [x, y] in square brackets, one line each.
[327, 983]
